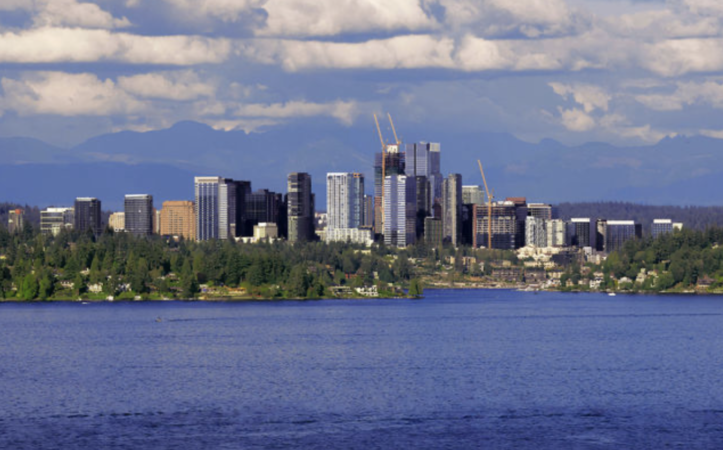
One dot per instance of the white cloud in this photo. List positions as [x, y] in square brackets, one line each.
[686, 93]
[493, 17]
[226, 10]
[66, 94]
[343, 111]
[49, 13]
[55, 45]
[589, 96]
[576, 120]
[716, 134]
[401, 52]
[332, 17]
[185, 85]
[72, 13]
[677, 57]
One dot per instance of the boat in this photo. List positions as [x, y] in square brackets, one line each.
[611, 294]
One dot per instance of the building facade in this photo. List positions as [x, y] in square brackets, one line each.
[400, 208]
[661, 226]
[536, 232]
[582, 232]
[300, 207]
[139, 214]
[363, 235]
[424, 159]
[556, 233]
[178, 219]
[619, 232]
[472, 195]
[87, 215]
[433, 232]
[503, 224]
[392, 162]
[452, 209]
[16, 220]
[55, 220]
[117, 221]
[344, 201]
[539, 210]
[214, 207]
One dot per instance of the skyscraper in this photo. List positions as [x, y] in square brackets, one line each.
[392, 162]
[368, 210]
[539, 210]
[139, 214]
[424, 159]
[178, 218]
[87, 215]
[54, 220]
[424, 207]
[400, 206]
[300, 207]
[215, 208]
[344, 200]
[452, 209]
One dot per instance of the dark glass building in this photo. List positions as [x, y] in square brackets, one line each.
[300, 207]
[139, 214]
[87, 215]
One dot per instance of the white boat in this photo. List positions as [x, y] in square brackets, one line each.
[611, 294]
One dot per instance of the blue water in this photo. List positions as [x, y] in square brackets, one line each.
[459, 369]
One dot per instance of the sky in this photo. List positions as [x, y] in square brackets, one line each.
[622, 72]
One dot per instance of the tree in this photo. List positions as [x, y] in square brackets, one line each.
[79, 285]
[29, 288]
[415, 288]
[189, 286]
[298, 283]
[46, 287]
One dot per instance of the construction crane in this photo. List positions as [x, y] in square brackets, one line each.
[490, 196]
[385, 149]
[396, 139]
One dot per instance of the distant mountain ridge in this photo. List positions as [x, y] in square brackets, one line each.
[681, 170]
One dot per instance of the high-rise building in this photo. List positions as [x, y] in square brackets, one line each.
[536, 232]
[472, 195]
[300, 207]
[452, 209]
[433, 232]
[239, 222]
[344, 200]
[601, 231]
[369, 211]
[503, 222]
[424, 159]
[581, 232]
[521, 214]
[619, 232]
[264, 206]
[54, 220]
[400, 208]
[117, 221]
[424, 207]
[392, 162]
[215, 208]
[139, 214]
[556, 233]
[16, 221]
[178, 218]
[87, 215]
[661, 226]
[539, 210]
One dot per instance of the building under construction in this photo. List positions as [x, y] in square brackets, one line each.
[502, 223]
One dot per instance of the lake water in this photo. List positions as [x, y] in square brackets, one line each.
[459, 369]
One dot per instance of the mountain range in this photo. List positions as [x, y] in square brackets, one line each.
[674, 171]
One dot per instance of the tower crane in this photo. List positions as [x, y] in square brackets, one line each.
[490, 196]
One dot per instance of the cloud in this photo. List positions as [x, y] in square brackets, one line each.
[58, 45]
[333, 17]
[226, 10]
[576, 120]
[677, 57]
[50, 13]
[180, 86]
[400, 52]
[66, 94]
[343, 111]
[589, 96]
[531, 18]
[686, 93]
